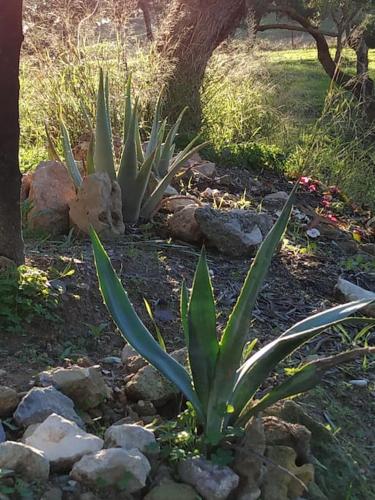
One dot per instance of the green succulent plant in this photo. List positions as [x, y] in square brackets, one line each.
[221, 387]
[143, 176]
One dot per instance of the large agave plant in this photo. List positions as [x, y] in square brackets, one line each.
[136, 166]
[222, 388]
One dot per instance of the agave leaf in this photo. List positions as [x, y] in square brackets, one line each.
[156, 196]
[155, 129]
[234, 336]
[71, 164]
[90, 156]
[257, 368]
[203, 344]
[129, 164]
[157, 329]
[168, 148]
[128, 109]
[132, 328]
[103, 155]
[305, 379]
[140, 154]
[184, 304]
[52, 152]
[86, 114]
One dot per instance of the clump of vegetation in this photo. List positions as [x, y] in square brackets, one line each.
[26, 295]
[143, 175]
[225, 374]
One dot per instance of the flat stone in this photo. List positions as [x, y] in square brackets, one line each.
[170, 490]
[237, 233]
[352, 292]
[275, 201]
[8, 401]
[113, 467]
[39, 403]
[212, 481]
[129, 436]
[3, 437]
[85, 386]
[26, 461]
[62, 442]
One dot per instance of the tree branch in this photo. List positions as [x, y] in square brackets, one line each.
[291, 27]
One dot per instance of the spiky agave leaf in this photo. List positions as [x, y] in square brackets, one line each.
[71, 164]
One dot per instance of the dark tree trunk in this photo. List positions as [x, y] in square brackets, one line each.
[11, 244]
[190, 33]
[145, 8]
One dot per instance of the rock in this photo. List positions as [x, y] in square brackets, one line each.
[112, 360]
[51, 192]
[39, 403]
[85, 386]
[130, 436]
[52, 494]
[133, 365]
[170, 191]
[327, 450]
[145, 408]
[3, 437]
[62, 442]
[26, 461]
[237, 233]
[3, 372]
[170, 490]
[348, 247]
[111, 467]
[211, 481]
[98, 203]
[176, 203]
[275, 201]
[26, 186]
[184, 226]
[8, 401]
[149, 385]
[353, 292]
[128, 352]
[248, 463]
[204, 170]
[368, 248]
[296, 436]
[277, 483]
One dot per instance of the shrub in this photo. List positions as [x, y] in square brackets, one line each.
[25, 295]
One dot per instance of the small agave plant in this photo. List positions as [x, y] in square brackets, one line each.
[223, 388]
[137, 167]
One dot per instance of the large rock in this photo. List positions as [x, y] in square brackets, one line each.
[39, 403]
[277, 483]
[149, 385]
[112, 467]
[85, 386]
[212, 481]
[51, 191]
[26, 461]
[275, 201]
[237, 233]
[170, 490]
[8, 401]
[248, 462]
[184, 226]
[3, 437]
[62, 442]
[352, 292]
[129, 436]
[98, 203]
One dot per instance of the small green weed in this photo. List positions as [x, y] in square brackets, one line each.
[25, 295]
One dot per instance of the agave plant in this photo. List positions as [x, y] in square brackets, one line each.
[136, 166]
[222, 388]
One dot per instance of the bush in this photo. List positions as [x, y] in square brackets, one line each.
[249, 155]
[25, 295]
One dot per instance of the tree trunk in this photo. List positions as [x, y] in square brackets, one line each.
[190, 33]
[11, 244]
[145, 8]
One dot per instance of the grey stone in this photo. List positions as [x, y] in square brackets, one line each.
[8, 401]
[170, 490]
[85, 386]
[275, 201]
[352, 292]
[237, 233]
[39, 403]
[26, 461]
[212, 481]
[62, 442]
[52, 494]
[129, 436]
[111, 467]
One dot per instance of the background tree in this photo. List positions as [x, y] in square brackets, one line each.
[190, 33]
[11, 243]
